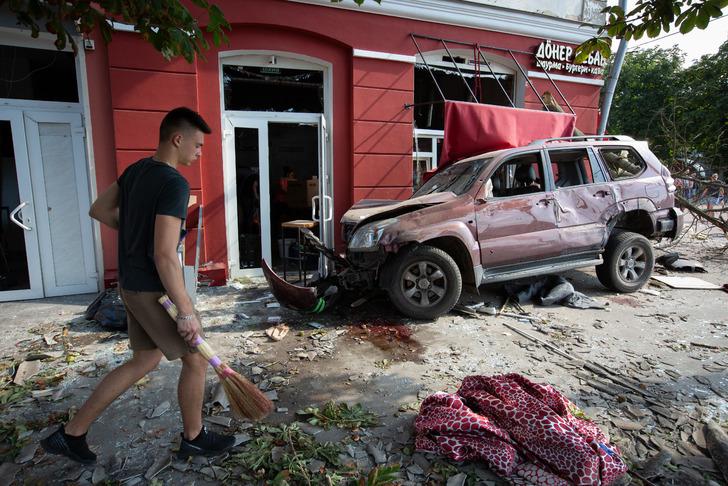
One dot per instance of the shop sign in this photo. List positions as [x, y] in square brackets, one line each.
[551, 56]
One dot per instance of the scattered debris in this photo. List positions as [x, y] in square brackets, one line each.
[717, 444]
[549, 290]
[219, 420]
[457, 480]
[159, 410]
[647, 291]
[159, 465]
[99, 475]
[686, 283]
[278, 332]
[26, 453]
[673, 261]
[25, 371]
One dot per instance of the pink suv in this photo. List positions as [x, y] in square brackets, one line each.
[554, 205]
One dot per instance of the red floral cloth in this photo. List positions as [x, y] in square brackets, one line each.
[523, 430]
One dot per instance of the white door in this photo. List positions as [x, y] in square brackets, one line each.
[251, 142]
[20, 268]
[61, 198]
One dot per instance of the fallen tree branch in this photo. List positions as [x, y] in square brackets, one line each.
[717, 222]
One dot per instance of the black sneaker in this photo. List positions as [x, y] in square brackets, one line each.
[70, 446]
[205, 444]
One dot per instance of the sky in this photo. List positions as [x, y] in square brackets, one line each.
[694, 44]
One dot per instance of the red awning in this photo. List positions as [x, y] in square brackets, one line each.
[472, 129]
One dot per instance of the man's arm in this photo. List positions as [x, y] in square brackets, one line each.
[166, 238]
[105, 208]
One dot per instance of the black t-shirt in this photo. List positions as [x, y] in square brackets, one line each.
[147, 188]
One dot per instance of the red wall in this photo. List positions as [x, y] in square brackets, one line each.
[372, 130]
[382, 129]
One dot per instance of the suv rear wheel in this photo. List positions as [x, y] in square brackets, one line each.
[424, 283]
[628, 262]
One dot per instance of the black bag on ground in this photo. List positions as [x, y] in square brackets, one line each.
[108, 310]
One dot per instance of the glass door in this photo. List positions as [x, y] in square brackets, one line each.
[20, 269]
[274, 173]
[247, 189]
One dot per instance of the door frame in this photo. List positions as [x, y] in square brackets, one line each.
[283, 59]
[25, 193]
[32, 119]
[260, 121]
[14, 36]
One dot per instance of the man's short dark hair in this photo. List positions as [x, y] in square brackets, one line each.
[179, 119]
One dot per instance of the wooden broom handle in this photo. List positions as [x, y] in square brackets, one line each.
[200, 344]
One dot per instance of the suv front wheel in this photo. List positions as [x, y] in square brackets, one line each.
[628, 262]
[424, 283]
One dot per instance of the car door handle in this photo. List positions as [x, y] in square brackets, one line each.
[544, 202]
[602, 194]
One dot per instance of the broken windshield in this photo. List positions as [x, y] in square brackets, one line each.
[458, 178]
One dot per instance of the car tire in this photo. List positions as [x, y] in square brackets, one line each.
[628, 262]
[424, 282]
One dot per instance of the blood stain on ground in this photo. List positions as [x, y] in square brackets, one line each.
[395, 339]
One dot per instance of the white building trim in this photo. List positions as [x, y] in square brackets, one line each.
[568, 79]
[457, 12]
[387, 56]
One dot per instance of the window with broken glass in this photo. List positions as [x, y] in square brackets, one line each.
[251, 88]
[429, 108]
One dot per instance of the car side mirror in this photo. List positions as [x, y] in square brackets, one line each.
[485, 191]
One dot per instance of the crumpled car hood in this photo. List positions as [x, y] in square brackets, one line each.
[367, 208]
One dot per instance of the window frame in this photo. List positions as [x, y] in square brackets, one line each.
[593, 162]
[621, 147]
[547, 181]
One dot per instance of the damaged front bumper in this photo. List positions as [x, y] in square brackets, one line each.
[358, 274]
[303, 299]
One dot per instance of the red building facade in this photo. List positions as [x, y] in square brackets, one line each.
[317, 89]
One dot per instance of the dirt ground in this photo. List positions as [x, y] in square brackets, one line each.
[656, 372]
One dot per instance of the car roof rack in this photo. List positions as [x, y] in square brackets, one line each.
[583, 138]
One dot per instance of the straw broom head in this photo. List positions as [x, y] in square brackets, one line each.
[246, 400]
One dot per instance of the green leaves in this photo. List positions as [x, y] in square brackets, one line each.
[651, 17]
[680, 111]
[603, 45]
[340, 415]
[381, 476]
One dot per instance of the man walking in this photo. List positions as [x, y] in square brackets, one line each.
[148, 204]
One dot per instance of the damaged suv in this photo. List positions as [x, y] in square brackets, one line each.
[551, 206]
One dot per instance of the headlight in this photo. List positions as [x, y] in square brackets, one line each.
[367, 237]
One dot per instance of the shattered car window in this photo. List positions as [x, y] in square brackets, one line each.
[622, 163]
[457, 178]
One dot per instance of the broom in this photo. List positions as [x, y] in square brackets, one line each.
[246, 400]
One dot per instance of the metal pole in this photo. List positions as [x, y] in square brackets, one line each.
[428, 67]
[523, 73]
[494, 76]
[460, 72]
[612, 79]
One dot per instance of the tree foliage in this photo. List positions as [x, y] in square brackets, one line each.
[650, 18]
[682, 112]
[166, 24]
